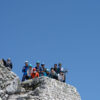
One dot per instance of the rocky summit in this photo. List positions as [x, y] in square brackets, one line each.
[42, 88]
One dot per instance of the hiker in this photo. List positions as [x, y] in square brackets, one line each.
[53, 74]
[43, 71]
[61, 76]
[38, 68]
[4, 62]
[29, 71]
[61, 69]
[34, 73]
[24, 70]
[56, 68]
[8, 63]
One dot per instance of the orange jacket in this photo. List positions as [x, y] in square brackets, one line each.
[33, 75]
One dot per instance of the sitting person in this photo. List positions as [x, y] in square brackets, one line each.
[24, 70]
[8, 63]
[43, 72]
[29, 71]
[38, 68]
[61, 76]
[34, 73]
[53, 74]
[47, 72]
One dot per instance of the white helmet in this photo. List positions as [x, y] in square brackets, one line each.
[26, 62]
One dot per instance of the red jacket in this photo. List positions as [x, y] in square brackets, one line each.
[34, 75]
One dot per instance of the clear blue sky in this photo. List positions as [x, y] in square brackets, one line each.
[53, 31]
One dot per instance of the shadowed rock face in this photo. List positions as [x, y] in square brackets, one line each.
[42, 88]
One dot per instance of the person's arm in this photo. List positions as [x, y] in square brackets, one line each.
[41, 69]
[31, 75]
[38, 75]
[23, 70]
[66, 71]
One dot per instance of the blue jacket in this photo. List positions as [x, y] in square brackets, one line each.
[38, 69]
[24, 70]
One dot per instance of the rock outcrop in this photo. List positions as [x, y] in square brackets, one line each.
[42, 88]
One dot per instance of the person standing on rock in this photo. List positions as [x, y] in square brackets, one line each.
[61, 69]
[38, 67]
[56, 68]
[29, 71]
[24, 70]
[34, 73]
[8, 63]
[43, 72]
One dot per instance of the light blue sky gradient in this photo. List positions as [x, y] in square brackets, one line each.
[53, 31]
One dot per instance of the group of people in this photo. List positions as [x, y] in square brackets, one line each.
[29, 72]
[57, 72]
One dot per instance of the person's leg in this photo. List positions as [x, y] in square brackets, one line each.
[23, 78]
[27, 78]
[64, 77]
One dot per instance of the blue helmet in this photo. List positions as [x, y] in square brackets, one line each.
[48, 70]
[30, 65]
[38, 62]
[42, 63]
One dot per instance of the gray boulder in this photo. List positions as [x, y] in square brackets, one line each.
[9, 82]
[42, 88]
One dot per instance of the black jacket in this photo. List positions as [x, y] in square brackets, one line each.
[6, 64]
